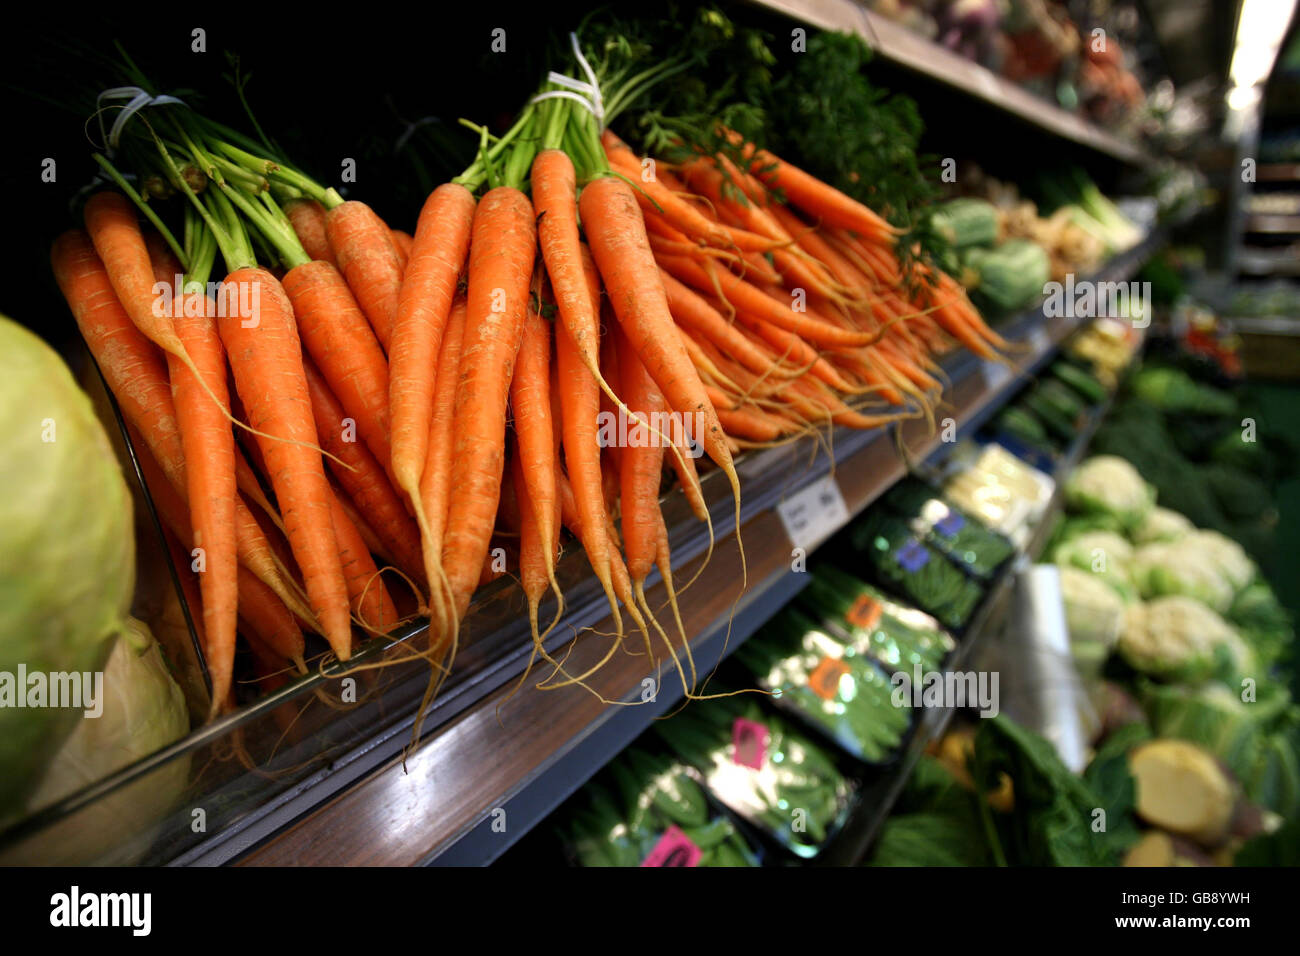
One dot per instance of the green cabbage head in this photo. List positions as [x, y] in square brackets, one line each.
[67, 552]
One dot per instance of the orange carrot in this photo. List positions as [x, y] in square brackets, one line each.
[433, 270]
[618, 242]
[307, 217]
[251, 488]
[640, 465]
[610, 453]
[373, 544]
[580, 406]
[764, 306]
[627, 267]
[403, 242]
[368, 259]
[267, 616]
[266, 358]
[556, 207]
[818, 199]
[692, 311]
[367, 594]
[344, 348]
[209, 448]
[362, 478]
[568, 505]
[435, 482]
[133, 367]
[136, 374]
[534, 431]
[534, 573]
[502, 249]
[749, 423]
[115, 231]
[258, 604]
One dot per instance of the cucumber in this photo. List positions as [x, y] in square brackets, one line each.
[1059, 425]
[1021, 423]
[1063, 398]
[1079, 380]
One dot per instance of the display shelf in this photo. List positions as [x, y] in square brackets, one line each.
[1272, 224]
[1267, 325]
[1261, 261]
[876, 800]
[1278, 173]
[900, 45]
[522, 754]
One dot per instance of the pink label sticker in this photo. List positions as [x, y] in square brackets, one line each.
[673, 849]
[749, 743]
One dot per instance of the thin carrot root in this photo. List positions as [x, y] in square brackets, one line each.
[688, 686]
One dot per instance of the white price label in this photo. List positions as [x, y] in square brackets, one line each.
[1039, 340]
[813, 514]
[996, 374]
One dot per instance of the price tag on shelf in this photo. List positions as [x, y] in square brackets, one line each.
[996, 374]
[865, 613]
[913, 556]
[813, 514]
[674, 848]
[748, 743]
[824, 681]
[950, 524]
[1039, 340]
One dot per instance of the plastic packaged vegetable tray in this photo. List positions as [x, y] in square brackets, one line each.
[829, 684]
[763, 769]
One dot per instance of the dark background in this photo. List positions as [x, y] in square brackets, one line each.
[347, 83]
[343, 84]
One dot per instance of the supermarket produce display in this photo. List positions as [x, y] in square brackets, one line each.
[696, 448]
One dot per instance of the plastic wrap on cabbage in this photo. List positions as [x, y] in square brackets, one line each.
[67, 552]
[895, 634]
[648, 809]
[843, 693]
[1110, 485]
[757, 765]
[143, 711]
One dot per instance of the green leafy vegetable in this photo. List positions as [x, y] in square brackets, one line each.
[67, 560]
[1053, 822]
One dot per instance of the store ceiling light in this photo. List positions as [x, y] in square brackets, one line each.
[1260, 30]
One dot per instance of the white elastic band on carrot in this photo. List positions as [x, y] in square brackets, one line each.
[139, 99]
[587, 94]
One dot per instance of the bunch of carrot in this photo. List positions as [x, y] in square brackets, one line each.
[286, 354]
[509, 427]
[410, 401]
[795, 311]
